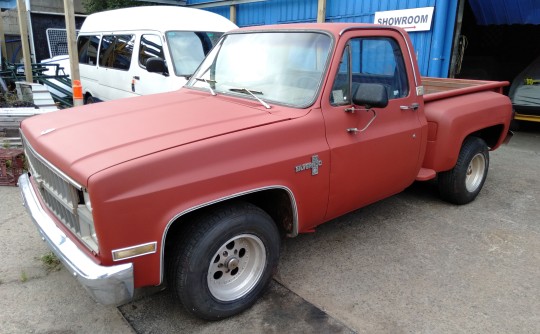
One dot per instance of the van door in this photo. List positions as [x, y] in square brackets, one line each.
[144, 82]
[114, 76]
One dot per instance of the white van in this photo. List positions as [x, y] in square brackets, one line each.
[144, 50]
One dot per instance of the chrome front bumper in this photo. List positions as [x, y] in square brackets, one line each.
[107, 285]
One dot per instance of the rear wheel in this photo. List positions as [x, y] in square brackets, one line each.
[224, 261]
[462, 184]
[90, 99]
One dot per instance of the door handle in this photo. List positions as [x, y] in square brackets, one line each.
[136, 77]
[412, 107]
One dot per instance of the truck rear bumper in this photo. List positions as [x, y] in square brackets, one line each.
[107, 285]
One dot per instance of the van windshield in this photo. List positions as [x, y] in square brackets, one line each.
[188, 49]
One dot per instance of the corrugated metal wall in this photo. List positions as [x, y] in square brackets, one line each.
[433, 48]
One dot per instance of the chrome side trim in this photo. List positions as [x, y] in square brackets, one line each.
[112, 285]
[292, 234]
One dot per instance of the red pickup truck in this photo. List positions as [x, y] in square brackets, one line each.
[281, 129]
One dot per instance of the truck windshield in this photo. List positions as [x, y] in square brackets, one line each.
[188, 49]
[281, 67]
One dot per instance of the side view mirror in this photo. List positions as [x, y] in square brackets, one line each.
[156, 65]
[371, 95]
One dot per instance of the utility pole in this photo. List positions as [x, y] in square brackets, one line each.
[321, 11]
[21, 11]
[73, 52]
[232, 12]
[3, 39]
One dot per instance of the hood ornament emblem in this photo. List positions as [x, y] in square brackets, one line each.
[44, 132]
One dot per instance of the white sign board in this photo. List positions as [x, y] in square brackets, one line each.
[415, 19]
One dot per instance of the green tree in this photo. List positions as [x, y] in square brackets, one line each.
[93, 6]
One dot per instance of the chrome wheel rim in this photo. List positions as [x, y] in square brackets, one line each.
[475, 172]
[236, 267]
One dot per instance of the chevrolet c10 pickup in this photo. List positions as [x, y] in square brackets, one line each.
[280, 129]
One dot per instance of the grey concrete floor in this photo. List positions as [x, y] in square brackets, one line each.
[410, 263]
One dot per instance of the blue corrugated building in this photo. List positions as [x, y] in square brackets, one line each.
[467, 38]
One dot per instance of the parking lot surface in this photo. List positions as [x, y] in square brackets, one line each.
[410, 263]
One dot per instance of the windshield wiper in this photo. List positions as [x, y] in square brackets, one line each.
[252, 93]
[208, 83]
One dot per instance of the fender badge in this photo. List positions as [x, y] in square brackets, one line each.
[44, 132]
[313, 165]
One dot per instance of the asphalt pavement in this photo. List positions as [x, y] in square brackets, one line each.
[410, 263]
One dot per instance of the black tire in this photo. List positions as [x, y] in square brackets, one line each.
[225, 261]
[90, 99]
[462, 184]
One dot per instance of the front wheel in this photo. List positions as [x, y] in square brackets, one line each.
[225, 260]
[462, 184]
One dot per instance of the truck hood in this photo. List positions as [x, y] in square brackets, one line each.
[85, 140]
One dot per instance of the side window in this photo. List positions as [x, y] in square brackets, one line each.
[87, 47]
[150, 46]
[116, 51]
[372, 60]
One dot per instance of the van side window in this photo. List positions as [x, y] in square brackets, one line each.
[116, 51]
[87, 47]
[370, 60]
[150, 46]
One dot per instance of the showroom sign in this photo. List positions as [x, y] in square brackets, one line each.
[415, 19]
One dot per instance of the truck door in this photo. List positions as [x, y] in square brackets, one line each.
[374, 153]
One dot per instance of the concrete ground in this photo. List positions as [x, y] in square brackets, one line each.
[410, 263]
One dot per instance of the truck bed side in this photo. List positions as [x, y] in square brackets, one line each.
[457, 108]
[441, 88]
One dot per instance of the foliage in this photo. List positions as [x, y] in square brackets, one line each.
[51, 262]
[94, 6]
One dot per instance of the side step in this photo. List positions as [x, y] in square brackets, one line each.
[425, 174]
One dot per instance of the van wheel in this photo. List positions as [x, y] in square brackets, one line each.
[224, 261]
[90, 99]
[462, 184]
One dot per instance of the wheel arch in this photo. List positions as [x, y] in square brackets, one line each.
[277, 201]
[491, 135]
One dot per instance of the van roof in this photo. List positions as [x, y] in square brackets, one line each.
[160, 18]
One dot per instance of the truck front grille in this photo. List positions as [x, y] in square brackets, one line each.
[62, 196]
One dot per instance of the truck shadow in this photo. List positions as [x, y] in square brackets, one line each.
[278, 311]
